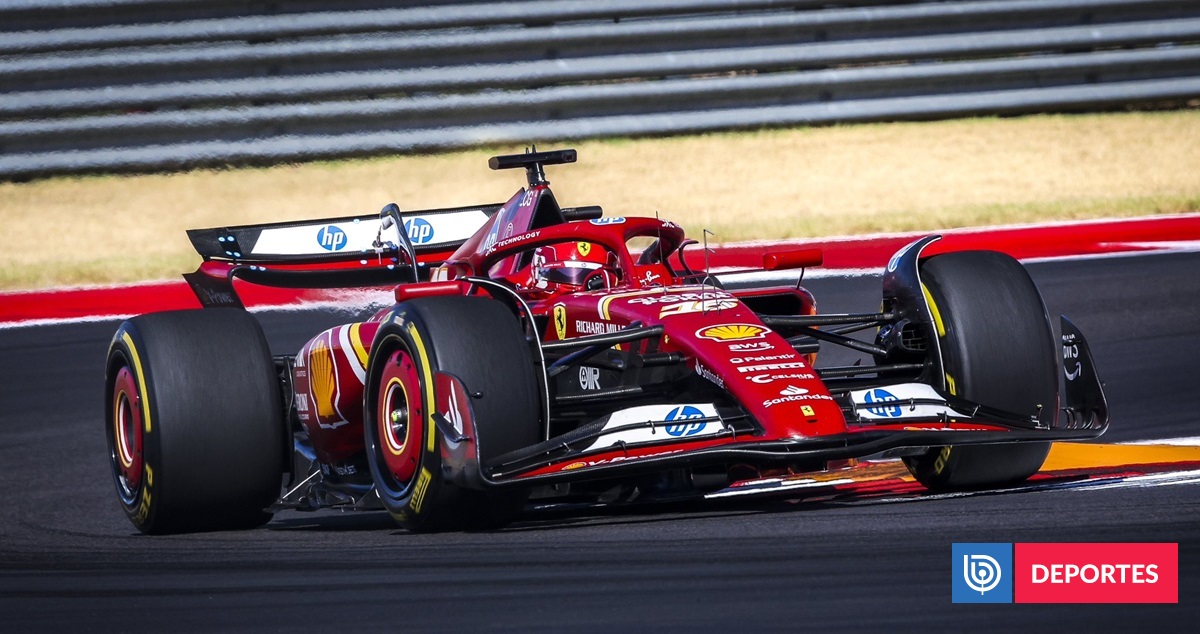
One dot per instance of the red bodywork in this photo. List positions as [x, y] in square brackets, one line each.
[722, 339]
[617, 278]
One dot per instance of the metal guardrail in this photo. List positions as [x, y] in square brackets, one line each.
[223, 87]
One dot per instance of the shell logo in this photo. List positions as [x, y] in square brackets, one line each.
[575, 465]
[324, 382]
[732, 332]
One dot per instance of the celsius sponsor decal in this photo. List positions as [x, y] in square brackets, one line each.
[792, 393]
[709, 374]
[753, 346]
[704, 306]
[607, 221]
[685, 413]
[1066, 573]
[763, 379]
[589, 378]
[331, 238]
[682, 297]
[770, 357]
[579, 464]
[419, 230]
[732, 332]
[595, 327]
[767, 367]
[560, 321]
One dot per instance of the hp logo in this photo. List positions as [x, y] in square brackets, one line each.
[983, 573]
[331, 238]
[883, 396]
[685, 413]
[419, 231]
[607, 221]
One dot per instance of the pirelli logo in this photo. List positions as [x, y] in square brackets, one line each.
[418, 496]
[767, 367]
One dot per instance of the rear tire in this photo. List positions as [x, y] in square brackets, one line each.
[195, 422]
[482, 343]
[997, 350]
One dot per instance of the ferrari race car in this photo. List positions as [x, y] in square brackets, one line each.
[536, 354]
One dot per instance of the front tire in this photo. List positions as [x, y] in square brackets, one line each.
[194, 421]
[479, 341]
[997, 350]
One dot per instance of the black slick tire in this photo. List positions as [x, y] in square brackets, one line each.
[194, 421]
[997, 350]
[479, 341]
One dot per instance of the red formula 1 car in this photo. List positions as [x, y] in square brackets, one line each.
[538, 352]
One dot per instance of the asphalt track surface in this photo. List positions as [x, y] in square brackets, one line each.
[70, 560]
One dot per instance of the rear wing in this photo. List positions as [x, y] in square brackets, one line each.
[385, 248]
[332, 239]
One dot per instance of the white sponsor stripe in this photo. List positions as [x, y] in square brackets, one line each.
[351, 356]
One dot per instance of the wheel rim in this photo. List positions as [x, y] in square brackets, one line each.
[399, 417]
[127, 436]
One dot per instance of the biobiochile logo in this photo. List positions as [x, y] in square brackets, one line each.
[982, 573]
[1065, 573]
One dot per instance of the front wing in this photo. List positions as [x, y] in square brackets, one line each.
[619, 445]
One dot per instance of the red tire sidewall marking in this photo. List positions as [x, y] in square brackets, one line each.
[127, 434]
[400, 390]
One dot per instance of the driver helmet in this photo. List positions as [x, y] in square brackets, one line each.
[571, 264]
